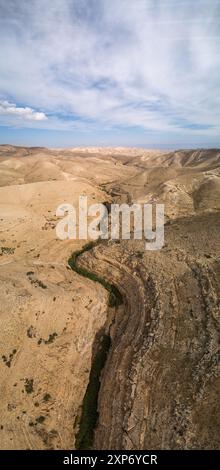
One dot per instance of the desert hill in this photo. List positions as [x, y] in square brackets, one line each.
[160, 383]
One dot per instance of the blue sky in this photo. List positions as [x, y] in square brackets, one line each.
[110, 72]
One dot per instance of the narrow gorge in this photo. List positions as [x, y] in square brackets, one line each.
[160, 380]
[109, 346]
[89, 414]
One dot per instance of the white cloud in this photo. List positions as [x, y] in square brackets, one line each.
[150, 64]
[26, 113]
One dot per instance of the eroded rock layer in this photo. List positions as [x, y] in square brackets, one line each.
[160, 384]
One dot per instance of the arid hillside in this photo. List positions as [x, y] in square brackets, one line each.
[159, 383]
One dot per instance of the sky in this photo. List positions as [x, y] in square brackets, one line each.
[110, 72]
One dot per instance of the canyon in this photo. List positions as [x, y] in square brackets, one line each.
[158, 379]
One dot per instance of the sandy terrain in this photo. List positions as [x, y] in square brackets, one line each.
[160, 384]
